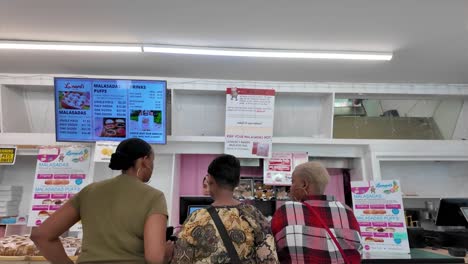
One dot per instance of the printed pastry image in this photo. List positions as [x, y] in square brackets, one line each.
[374, 239]
[113, 127]
[47, 202]
[109, 124]
[375, 211]
[260, 149]
[380, 229]
[58, 202]
[57, 182]
[43, 214]
[74, 100]
[120, 127]
[107, 152]
[278, 178]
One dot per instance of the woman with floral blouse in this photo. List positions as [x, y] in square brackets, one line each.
[199, 240]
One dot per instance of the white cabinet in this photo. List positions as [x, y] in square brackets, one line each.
[303, 115]
[27, 109]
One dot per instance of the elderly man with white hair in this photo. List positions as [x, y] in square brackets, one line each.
[315, 228]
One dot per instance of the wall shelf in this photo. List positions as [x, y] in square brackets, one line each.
[303, 122]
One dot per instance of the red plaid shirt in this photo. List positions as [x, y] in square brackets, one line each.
[300, 237]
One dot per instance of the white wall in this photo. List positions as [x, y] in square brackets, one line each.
[299, 115]
[162, 177]
[197, 114]
[446, 116]
[174, 209]
[357, 170]
[15, 118]
[103, 172]
[40, 109]
[429, 178]
[326, 121]
[28, 109]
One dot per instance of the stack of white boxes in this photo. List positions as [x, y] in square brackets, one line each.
[10, 199]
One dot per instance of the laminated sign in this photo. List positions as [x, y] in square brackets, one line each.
[104, 150]
[378, 207]
[279, 168]
[249, 122]
[7, 155]
[61, 172]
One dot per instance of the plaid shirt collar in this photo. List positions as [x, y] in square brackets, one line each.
[318, 198]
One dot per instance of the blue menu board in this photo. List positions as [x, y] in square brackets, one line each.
[88, 110]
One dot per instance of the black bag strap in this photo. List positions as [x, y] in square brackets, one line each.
[231, 250]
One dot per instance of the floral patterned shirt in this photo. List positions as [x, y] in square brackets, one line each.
[199, 240]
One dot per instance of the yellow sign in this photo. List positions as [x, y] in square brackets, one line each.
[7, 155]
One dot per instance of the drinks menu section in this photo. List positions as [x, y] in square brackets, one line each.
[110, 110]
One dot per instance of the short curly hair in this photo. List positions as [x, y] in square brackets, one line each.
[314, 173]
[225, 170]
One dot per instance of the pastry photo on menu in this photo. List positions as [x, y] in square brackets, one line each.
[57, 182]
[74, 100]
[260, 149]
[115, 127]
[43, 214]
[145, 120]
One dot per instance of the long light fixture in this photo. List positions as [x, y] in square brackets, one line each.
[268, 53]
[235, 52]
[66, 46]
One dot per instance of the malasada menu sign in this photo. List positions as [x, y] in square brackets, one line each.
[378, 207]
[61, 172]
[110, 110]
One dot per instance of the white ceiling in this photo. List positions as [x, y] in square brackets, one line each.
[429, 37]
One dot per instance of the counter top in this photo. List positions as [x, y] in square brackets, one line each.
[423, 255]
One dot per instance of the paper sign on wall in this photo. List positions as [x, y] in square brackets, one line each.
[249, 122]
[104, 150]
[378, 207]
[61, 172]
[279, 168]
[7, 155]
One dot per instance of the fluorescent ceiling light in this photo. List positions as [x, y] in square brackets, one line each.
[68, 46]
[259, 53]
[266, 53]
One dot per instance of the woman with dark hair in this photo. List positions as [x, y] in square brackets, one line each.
[228, 231]
[124, 220]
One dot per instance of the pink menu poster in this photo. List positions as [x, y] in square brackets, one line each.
[279, 168]
[61, 172]
[378, 207]
[249, 122]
